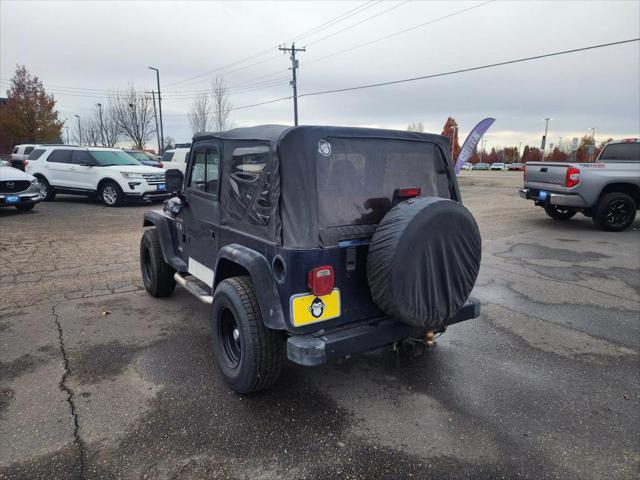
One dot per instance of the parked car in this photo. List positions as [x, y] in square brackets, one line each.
[20, 154]
[145, 158]
[515, 166]
[109, 173]
[175, 158]
[607, 190]
[337, 245]
[18, 189]
[467, 166]
[497, 166]
[481, 166]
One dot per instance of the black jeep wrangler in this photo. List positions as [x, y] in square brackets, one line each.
[320, 242]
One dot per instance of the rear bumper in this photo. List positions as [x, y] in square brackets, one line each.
[318, 348]
[561, 199]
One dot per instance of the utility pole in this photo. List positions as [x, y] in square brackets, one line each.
[161, 144]
[593, 138]
[101, 125]
[544, 139]
[79, 130]
[155, 114]
[294, 84]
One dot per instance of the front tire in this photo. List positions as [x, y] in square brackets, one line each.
[615, 212]
[111, 194]
[26, 208]
[157, 275]
[249, 355]
[48, 192]
[558, 212]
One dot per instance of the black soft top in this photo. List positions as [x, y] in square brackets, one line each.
[288, 210]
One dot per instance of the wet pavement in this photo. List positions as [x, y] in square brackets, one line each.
[99, 380]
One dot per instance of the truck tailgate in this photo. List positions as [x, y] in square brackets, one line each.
[545, 174]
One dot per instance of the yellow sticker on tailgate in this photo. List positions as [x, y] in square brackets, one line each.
[307, 308]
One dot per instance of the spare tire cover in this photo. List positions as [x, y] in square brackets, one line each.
[423, 261]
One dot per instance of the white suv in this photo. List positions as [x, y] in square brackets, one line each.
[109, 173]
[175, 158]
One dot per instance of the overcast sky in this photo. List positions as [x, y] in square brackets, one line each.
[81, 50]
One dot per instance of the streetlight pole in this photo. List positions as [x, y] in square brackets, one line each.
[593, 138]
[155, 115]
[79, 130]
[159, 108]
[544, 139]
[101, 125]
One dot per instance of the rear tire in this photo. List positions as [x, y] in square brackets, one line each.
[614, 212]
[157, 275]
[48, 191]
[26, 208]
[111, 194]
[249, 355]
[558, 212]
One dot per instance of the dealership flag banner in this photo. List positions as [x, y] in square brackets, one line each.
[471, 142]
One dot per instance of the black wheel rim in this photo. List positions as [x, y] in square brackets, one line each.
[562, 210]
[146, 265]
[618, 213]
[229, 335]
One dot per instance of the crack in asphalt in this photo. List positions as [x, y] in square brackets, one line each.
[70, 398]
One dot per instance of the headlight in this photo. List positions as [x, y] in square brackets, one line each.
[132, 175]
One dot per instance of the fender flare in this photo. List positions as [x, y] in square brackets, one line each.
[168, 238]
[260, 271]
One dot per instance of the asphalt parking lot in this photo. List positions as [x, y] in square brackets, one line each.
[99, 380]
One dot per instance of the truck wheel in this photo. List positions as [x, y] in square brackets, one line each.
[614, 212]
[249, 355]
[48, 192]
[111, 194]
[26, 208]
[157, 275]
[558, 212]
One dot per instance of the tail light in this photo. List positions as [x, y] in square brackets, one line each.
[25, 162]
[400, 194]
[572, 177]
[161, 165]
[321, 280]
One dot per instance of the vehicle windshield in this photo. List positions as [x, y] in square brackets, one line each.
[621, 152]
[357, 177]
[106, 158]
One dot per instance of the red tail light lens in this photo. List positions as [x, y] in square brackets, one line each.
[321, 280]
[161, 165]
[25, 162]
[409, 192]
[572, 178]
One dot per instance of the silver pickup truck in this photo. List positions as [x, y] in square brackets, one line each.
[607, 190]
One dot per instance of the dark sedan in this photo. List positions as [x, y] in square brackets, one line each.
[145, 158]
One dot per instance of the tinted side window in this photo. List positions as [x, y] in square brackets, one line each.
[28, 150]
[621, 152]
[60, 156]
[167, 156]
[80, 157]
[15, 150]
[204, 170]
[36, 154]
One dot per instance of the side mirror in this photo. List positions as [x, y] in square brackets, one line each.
[174, 179]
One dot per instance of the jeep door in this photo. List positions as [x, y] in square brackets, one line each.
[202, 213]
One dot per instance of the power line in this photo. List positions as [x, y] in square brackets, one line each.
[358, 23]
[314, 30]
[406, 30]
[471, 69]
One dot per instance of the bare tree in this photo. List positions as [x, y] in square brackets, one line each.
[416, 127]
[200, 116]
[134, 113]
[111, 129]
[221, 106]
